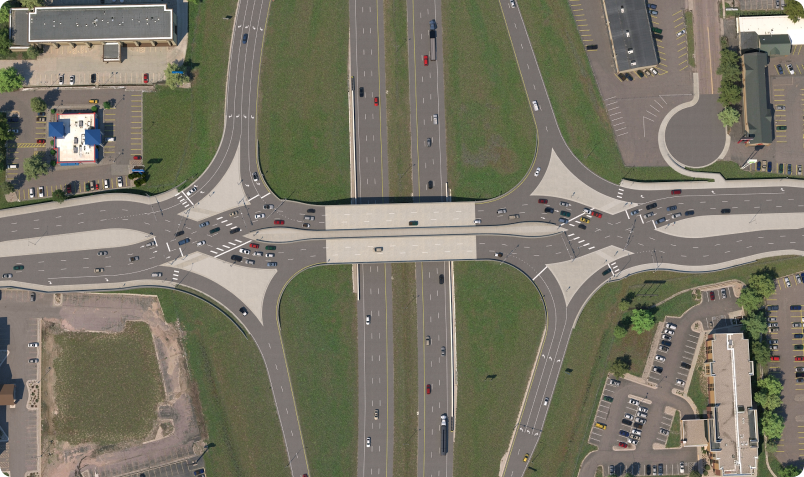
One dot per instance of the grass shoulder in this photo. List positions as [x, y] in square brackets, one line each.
[491, 136]
[406, 391]
[499, 324]
[318, 313]
[303, 128]
[173, 159]
[564, 442]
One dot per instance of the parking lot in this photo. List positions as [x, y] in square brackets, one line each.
[122, 122]
[787, 346]
[636, 107]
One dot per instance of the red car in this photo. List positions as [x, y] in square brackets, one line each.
[799, 358]
[542, 201]
[137, 158]
[622, 444]
[426, 60]
[279, 222]
[253, 245]
[597, 214]
[428, 389]
[675, 192]
[40, 141]
[774, 358]
[376, 101]
[145, 78]
[712, 295]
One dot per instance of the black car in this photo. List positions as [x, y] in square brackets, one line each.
[549, 210]
[627, 422]
[441, 279]
[311, 211]
[685, 365]
[234, 230]
[671, 208]
[93, 78]
[689, 212]
[663, 219]
[725, 211]
[666, 343]
[237, 258]
[779, 69]
[650, 206]
[245, 38]
[772, 307]
[647, 469]
[582, 226]
[179, 233]
[360, 91]
[429, 184]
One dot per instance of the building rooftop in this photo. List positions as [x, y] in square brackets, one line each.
[73, 147]
[775, 45]
[631, 35]
[773, 25]
[7, 395]
[99, 23]
[693, 432]
[758, 115]
[732, 420]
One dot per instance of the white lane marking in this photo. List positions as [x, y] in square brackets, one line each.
[537, 275]
[218, 255]
[266, 195]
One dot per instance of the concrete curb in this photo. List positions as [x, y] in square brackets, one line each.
[86, 200]
[724, 184]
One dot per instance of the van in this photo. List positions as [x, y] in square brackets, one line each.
[13, 166]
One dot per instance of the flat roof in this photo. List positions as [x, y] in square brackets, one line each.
[773, 25]
[693, 432]
[630, 29]
[73, 147]
[100, 23]
[19, 26]
[731, 370]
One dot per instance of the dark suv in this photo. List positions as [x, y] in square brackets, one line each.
[650, 206]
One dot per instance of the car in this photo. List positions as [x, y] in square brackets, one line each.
[151, 243]
[245, 251]
[33, 296]
[659, 358]
[243, 311]
[774, 342]
[675, 216]
[672, 208]
[640, 420]
[428, 389]
[627, 422]
[98, 270]
[798, 279]
[120, 181]
[312, 217]
[271, 264]
[427, 340]
[771, 318]
[376, 414]
[680, 382]
[368, 441]
[642, 409]
[597, 214]
[666, 343]
[203, 224]
[642, 415]
[253, 245]
[145, 78]
[19, 267]
[798, 347]
[647, 469]
[658, 369]
[156, 274]
[93, 78]
[686, 365]
[790, 69]
[772, 307]
[600, 425]
[195, 188]
[443, 351]
[622, 444]
[33, 360]
[786, 280]
[535, 105]
[565, 213]
[651, 206]
[198, 472]
[546, 400]
[7, 275]
[105, 183]
[93, 101]
[632, 441]
[259, 254]
[478, 221]
[681, 33]
[502, 211]
[426, 60]
[72, 80]
[798, 336]
[549, 210]
[633, 401]
[40, 141]
[41, 191]
[663, 348]
[182, 242]
[649, 214]
[654, 71]
[582, 226]
[584, 220]
[565, 204]
[376, 101]
[61, 79]
[662, 220]
[527, 456]
[611, 470]
[133, 259]
[800, 380]
[624, 433]
[628, 416]
[636, 432]
[562, 221]
[779, 69]
[661, 469]
[279, 222]
[41, 119]
[795, 307]
[435, 119]
[725, 211]
[137, 158]
[245, 38]
[498, 254]
[614, 382]
[634, 212]
[652, 6]
[33, 345]
[102, 253]
[666, 337]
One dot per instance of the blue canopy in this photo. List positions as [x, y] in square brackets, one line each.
[55, 130]
[93, 137]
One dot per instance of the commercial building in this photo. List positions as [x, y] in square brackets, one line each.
[109, 26]
[631, 36]
[772, 25]
[76, 137]
[758, 115]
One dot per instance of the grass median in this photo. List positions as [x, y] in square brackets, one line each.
[171, 158]
[397, 102]
[499, 324]
[319, 333]
[674, 439]
[243, 425]
[303, 128]
[491, 137]
[593, 347]
[406, 369]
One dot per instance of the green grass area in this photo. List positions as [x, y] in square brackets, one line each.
[593, 347]
[182, 128]
[676, 306]
[690, 37]
[491, 137]
[674, 439]
[762, 468]
[698, 387]
[397, 102]
[94, 402]
[243, 425]
[499, 324]
[406, 368]
[303, 128]
[730, 170]
[318, 314]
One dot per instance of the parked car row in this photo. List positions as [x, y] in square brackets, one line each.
[788, 169]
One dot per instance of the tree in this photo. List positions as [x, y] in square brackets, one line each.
[769, 402]
[59, 196]
[788, 471]
[620, 332]
[620, 366]
[10, 80]
[175, 80]
[772, 425]
[623, 305]
[694, 473]
[754, 326]
[33, 52]
[771, 384]
[7, 187]
[762, 285]
[38, 105]
[761, 352]
[730, 93]
[750, 301]
[641, 321]
[729, 117]
[793, 10]
[31, 4]
[5, 41]
[107, 105]
[729, 68]
[35, 166]
[5, 131]
[94, 108]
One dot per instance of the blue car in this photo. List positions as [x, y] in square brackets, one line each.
[184, 241]
[245, 38]
[624, 433]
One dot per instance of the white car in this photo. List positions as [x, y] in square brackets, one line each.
[259, 216]
[546, 400]
[536, 173]
[659, 358]
[33, 345]
[636, 432]
[245, 251]
[61, 79]
[42, 194]
[631, 441]
[633, 401]
[668, 331]
[32, 193]
[670, 326]
[201, 243]
[535, 105]
[786, 280]
[120, 181]
[790, 69]
[680, 382]
[72, 80]
[269, 255]
[629, 417]
[681, 33]
[513, 4]
[368, 441]
[478, 221]
[105, 183]
[368, 319]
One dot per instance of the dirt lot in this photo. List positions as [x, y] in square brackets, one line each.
[175, 430]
